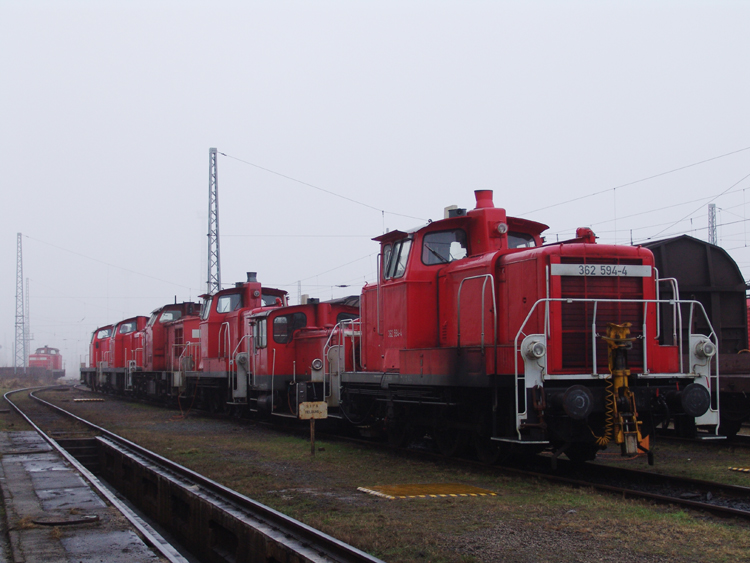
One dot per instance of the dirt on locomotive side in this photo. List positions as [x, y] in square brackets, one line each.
[527, 520]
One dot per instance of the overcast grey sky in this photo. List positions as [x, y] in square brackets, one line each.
[108, 111]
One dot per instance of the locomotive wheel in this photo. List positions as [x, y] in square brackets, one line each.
[578, 453]
[400, 433]
[399, 428]
[729, 428]
[487, 450]
[214, 402]
[451, 442]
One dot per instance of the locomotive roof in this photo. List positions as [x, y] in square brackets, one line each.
[348, 301]
[514, 223]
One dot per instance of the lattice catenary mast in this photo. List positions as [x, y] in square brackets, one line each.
[27, 324]
[20, 352]
[213, 283]
[712, 224]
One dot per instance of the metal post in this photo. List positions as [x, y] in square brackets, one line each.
[27, 325]
[213, 283]
[312, 436]
[20, 351]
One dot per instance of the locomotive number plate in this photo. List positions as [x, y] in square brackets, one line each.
[601, 270]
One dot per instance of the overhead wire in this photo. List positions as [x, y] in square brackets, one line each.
[693, 212]
[637, 181]
[108, 264]
[382, 211]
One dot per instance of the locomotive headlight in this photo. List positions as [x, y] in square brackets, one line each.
[535, 350]
[502, 228]
[317, 364]
[705, 349]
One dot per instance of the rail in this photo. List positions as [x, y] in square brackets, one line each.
[277, 526]
[151, 536]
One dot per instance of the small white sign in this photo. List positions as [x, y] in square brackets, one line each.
[601, 270]
[316, 410]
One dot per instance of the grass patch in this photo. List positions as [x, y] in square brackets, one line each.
[528, 520]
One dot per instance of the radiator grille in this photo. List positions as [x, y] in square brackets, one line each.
[577, 317]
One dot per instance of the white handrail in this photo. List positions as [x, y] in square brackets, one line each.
[547, 301]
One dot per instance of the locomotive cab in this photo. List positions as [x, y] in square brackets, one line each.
[157, 353]
[290, 347]
[126, 353]
[47, 359]
[98, 356]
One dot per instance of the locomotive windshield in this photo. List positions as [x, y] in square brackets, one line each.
[346, 317]
[284, 327]
[168, 316]
[270, 300]
[127, 328]
[520, 240]
[228, 303]
[206, 308]
[395, 266]
[104, 333]
[444, 247]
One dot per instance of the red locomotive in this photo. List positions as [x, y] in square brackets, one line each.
[474, 332]
[48, 359]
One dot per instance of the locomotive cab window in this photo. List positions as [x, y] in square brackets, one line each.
[206, 308]
[396, 265]
[444, 247]
[169, 316]
[229, 303]
[271, 300]
[346, 317]
[259, 333]
[387, 251]
[104, 333]
[285, 325]
[127, 328]
[520, 240]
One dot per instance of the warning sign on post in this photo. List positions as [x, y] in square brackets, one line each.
[312, 411]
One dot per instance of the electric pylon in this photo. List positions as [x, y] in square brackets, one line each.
[27, 323]
[20, 351]
[213, 283]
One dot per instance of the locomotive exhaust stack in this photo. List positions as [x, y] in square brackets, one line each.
[484, 199]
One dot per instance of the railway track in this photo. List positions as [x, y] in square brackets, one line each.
[275, 537]
[714, 498]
